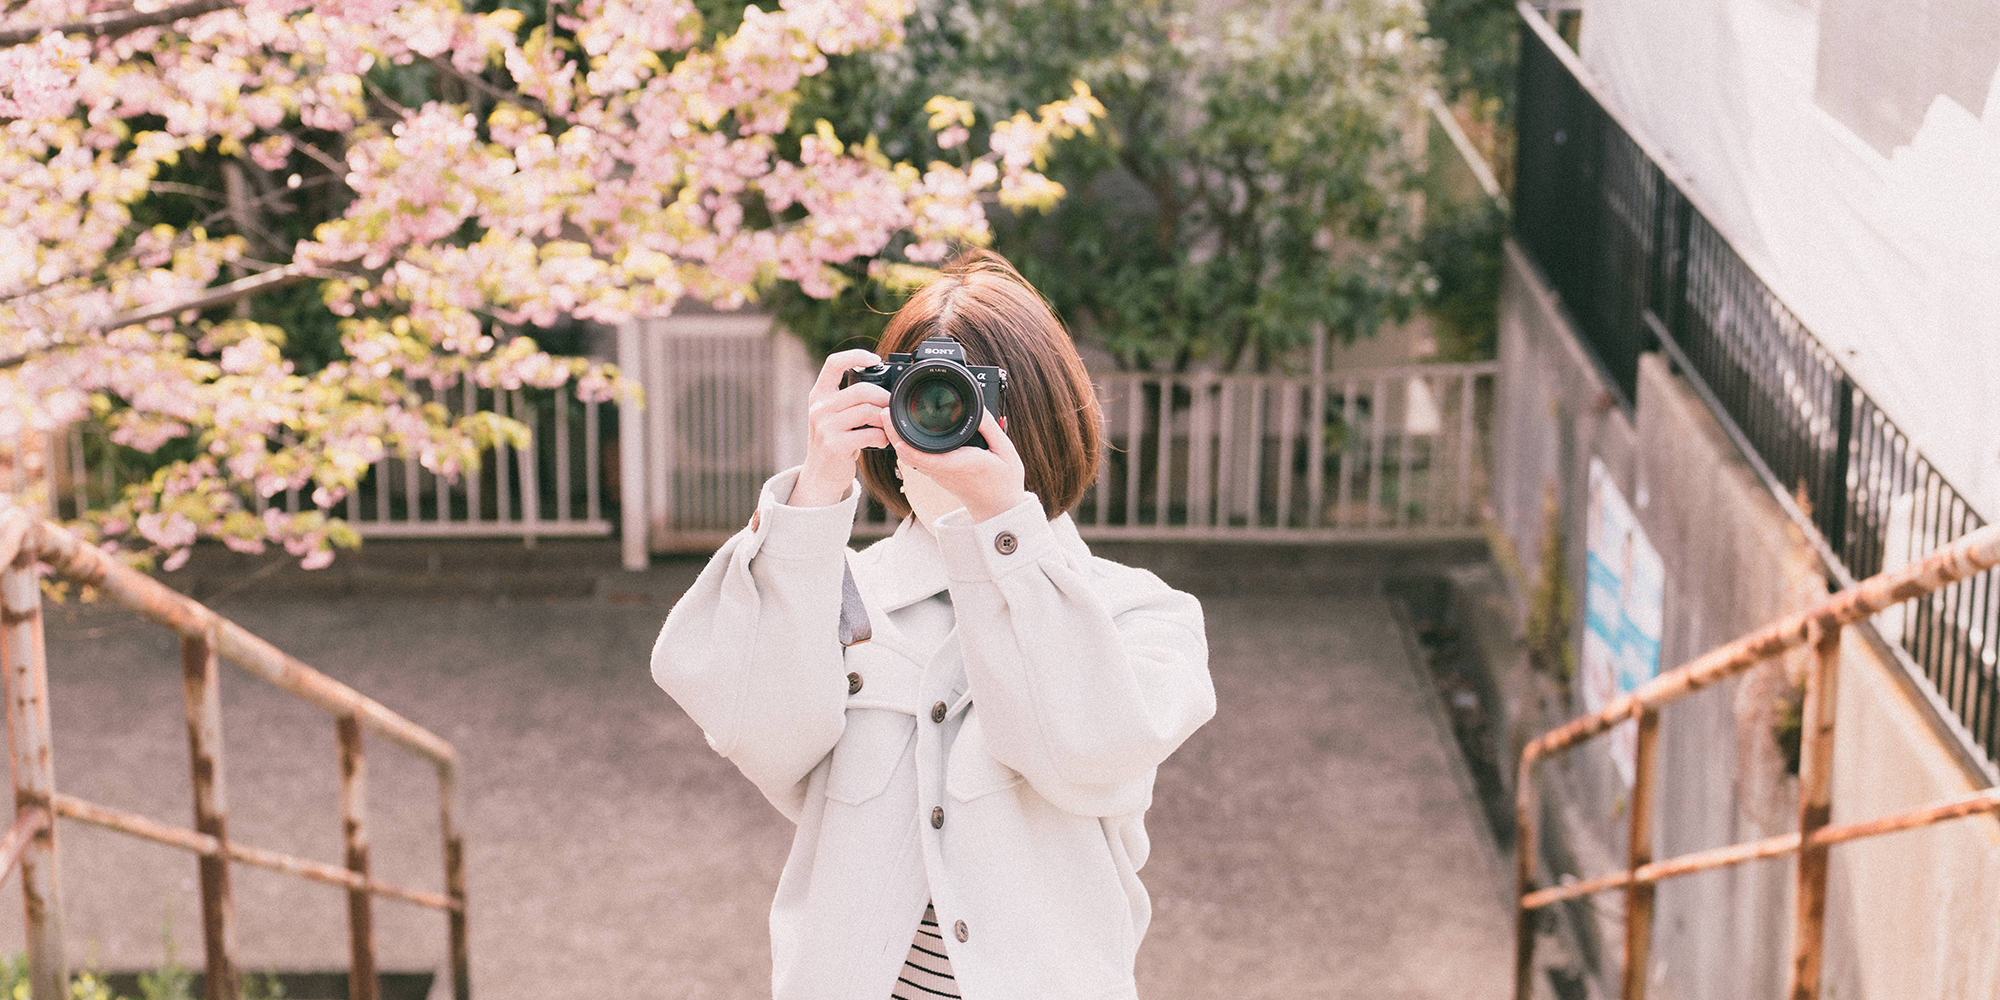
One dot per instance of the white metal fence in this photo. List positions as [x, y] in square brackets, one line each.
[1394, 453]
[554, 487]
[1387, 453]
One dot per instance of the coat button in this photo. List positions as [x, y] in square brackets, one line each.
[937, 712]
[937, 817]
[853, 683]
[959, 930]
[1006, 543]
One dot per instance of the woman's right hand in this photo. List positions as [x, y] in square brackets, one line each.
[839, 423]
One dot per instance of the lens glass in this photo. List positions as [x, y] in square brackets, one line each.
[936, 406]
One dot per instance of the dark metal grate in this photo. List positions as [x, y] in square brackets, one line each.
[1639, 267]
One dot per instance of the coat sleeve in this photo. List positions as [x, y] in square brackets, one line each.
[750, 651]
[1086, 675]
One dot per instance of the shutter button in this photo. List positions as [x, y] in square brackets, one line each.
[1006, 543]
[937, 818]
[937, 712]
[960, 930]
[853, 683]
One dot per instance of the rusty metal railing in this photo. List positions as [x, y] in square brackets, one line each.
[1821, 628]
[206, 639]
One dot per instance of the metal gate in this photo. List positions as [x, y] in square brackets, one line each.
[706, 436]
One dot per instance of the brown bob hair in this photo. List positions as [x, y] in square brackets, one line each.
[980, 301]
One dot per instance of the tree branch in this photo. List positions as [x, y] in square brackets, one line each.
[115, 23]
[220, 295]
[179, 241]
[474, 81]
[242, 288]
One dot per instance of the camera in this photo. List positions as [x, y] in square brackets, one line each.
[935, 398]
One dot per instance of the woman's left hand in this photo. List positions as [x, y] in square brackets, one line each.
[989, 481]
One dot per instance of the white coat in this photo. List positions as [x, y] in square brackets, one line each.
[1067, 680]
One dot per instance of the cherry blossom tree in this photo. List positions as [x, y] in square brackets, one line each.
[598, 159]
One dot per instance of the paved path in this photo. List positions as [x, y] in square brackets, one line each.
[1312, 841]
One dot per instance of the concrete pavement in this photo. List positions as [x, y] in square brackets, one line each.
[1312, 841]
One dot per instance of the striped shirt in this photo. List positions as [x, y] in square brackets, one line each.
[926, 973]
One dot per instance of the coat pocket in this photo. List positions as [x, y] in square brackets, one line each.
[867, 755]
[972, 772]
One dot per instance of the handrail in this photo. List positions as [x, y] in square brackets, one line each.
[1820, 627]
[206, 639]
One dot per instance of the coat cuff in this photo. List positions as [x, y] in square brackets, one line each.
[789, 532]
[989, 549]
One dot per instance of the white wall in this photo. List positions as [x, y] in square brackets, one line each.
[1850, 150]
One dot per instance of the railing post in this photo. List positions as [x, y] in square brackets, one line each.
[1836, 498]
[1465, 510]
[25, 659]
[632, 516]
[1639, 895]
[24, 655]
[454, 880]
[527, 468]
[1526, 809]
[1163, 464]
[1815, 808]
[361, 980]
[1316, 450]
[200, 679]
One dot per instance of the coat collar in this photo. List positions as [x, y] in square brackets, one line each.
[908, 566]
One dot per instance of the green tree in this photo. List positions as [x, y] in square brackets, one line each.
[1256, 175]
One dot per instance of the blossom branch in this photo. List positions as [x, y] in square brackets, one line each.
[474, 81]
[220, 295]
[114, 23]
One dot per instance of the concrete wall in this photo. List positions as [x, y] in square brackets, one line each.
[1733, 563]
[1911, 915]
[1920, 909]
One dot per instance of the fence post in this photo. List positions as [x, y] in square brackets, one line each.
[454, 880]
[1135, 446]
[1639, 895]
[24, 654]
[361, 980]
[200, 679]
[631, 454]
[527, 467]
[1815, 807]
[1834, 490]
[1527, 809]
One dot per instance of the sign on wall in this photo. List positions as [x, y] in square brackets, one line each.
[1623, 604]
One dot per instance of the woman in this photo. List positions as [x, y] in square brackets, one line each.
[970, 783]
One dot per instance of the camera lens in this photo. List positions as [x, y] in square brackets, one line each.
[936, 406]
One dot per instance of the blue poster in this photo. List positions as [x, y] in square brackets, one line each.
[1623, 604]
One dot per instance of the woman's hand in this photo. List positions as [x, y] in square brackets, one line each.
[839, 423]
[989, 481]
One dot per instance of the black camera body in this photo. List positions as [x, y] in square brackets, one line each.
[935, 398]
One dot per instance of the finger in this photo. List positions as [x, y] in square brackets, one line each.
[839, 363]
[849, 418]
[958, 461]
[896, 441]
[948, 467]
[859, 392]
[852, 441]
[997, 440]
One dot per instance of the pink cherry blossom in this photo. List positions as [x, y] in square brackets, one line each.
[608, 180]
